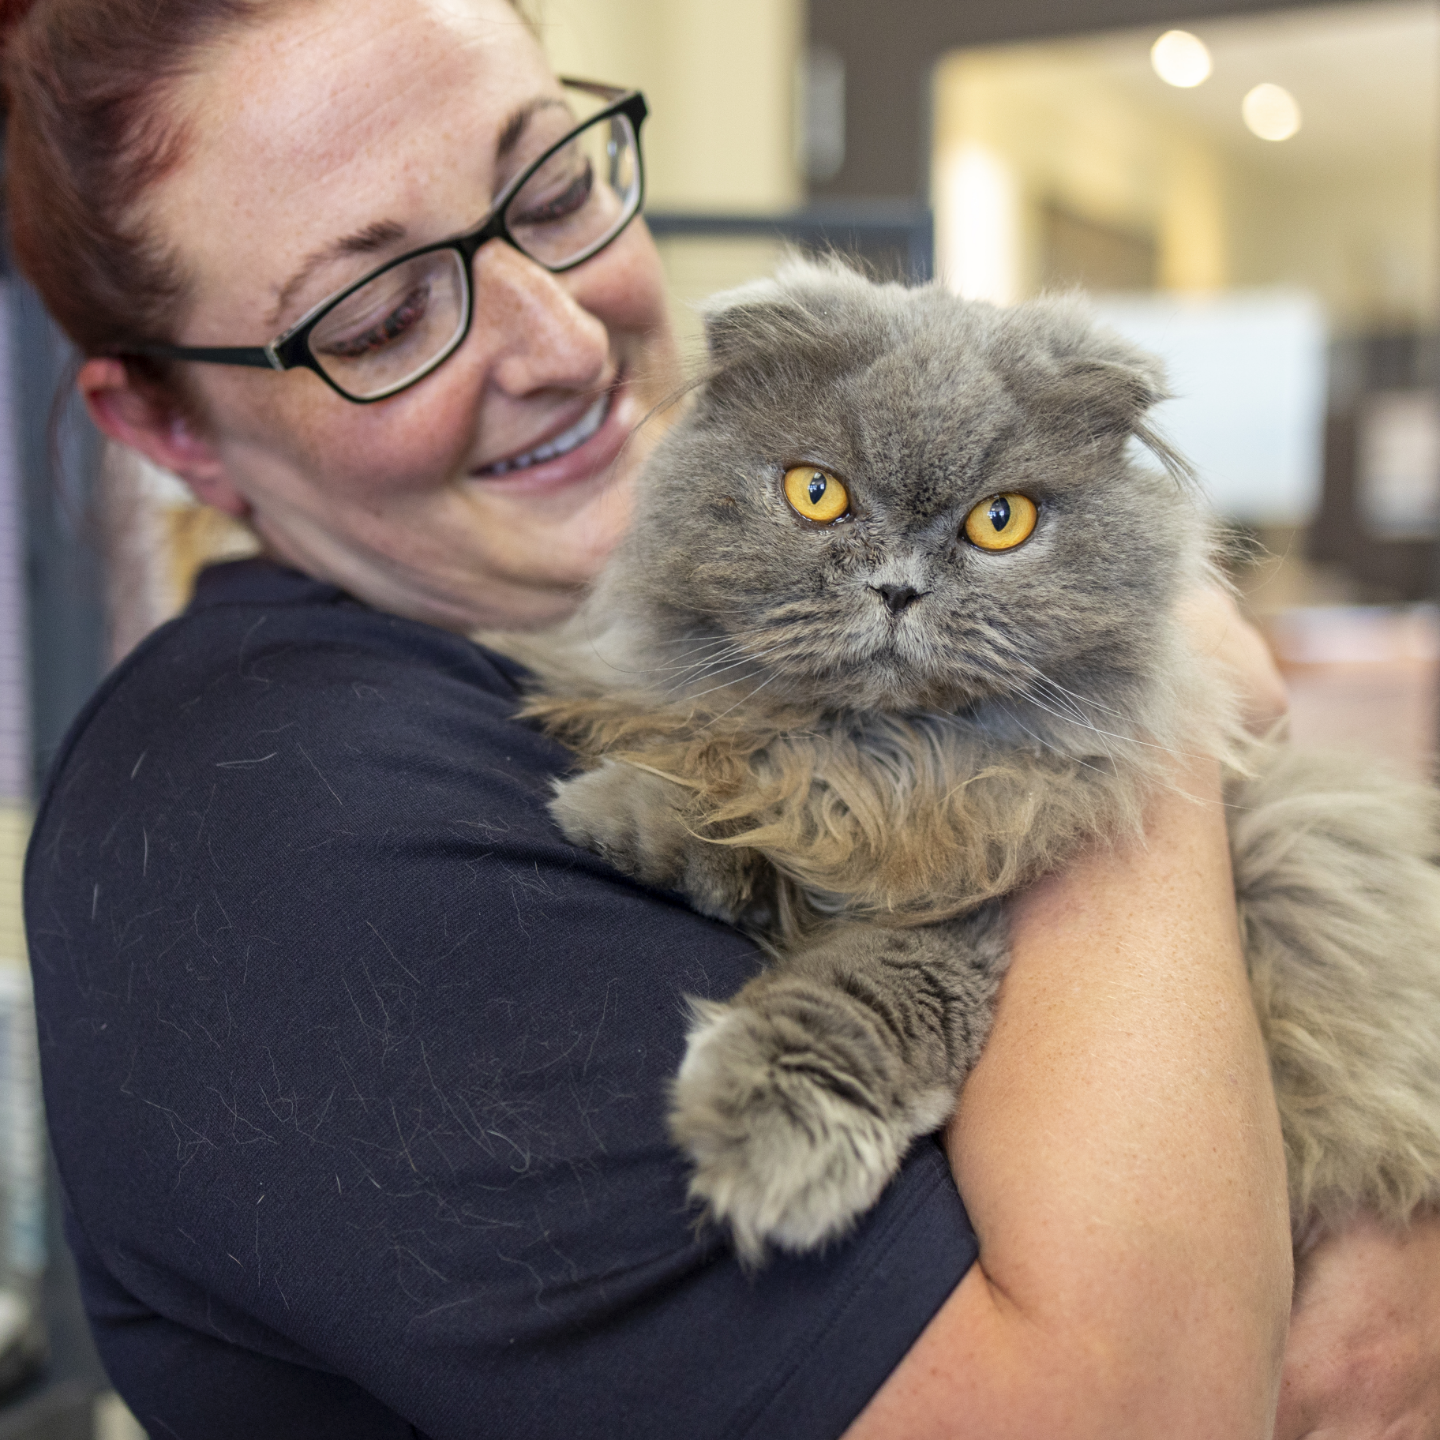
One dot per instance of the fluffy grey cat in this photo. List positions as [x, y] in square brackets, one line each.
[894, 634]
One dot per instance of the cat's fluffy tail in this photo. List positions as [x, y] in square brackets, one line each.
[1339, 900]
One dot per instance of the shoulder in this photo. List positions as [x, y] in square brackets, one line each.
[351, 1059]
[275, 694]
[263, 645]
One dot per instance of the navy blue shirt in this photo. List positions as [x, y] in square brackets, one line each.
[356, 1070]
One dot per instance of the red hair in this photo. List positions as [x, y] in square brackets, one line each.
[90, 128]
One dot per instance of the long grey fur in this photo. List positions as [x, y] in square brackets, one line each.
[861, 788]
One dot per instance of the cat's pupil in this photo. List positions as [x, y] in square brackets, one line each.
[817, 488]
[1000, 513]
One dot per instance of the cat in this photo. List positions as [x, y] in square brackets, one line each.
[893, 634]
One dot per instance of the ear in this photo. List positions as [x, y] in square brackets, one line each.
[735, 318]
[1082, 373]
[155, 425]
[818, 307]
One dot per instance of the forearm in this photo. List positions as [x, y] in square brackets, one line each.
[1119, 1153]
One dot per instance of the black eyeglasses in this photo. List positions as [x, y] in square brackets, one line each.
[396, 325]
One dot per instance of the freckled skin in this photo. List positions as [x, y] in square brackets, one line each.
[321, 121]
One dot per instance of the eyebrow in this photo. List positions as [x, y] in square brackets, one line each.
[362, 242]
[385, 233]
[519, 119]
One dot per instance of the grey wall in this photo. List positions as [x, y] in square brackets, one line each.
[58, 455]
[15, 762]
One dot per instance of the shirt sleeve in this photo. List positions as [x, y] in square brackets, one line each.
[356, 1073]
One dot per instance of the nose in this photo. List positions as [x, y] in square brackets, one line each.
[535, 335]
[897, 597]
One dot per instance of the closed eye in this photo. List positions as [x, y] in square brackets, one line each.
[572, 198]
[395, 324]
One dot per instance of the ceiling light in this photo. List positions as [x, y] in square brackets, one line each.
[1180, 58]
[1270, 112]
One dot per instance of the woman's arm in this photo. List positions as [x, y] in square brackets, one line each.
[1119, 1153]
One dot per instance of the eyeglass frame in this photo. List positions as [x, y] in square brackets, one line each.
[290, 350]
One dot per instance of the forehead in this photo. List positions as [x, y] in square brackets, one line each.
[328, 118]
[913, 385]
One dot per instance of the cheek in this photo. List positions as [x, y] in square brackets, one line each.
[624, 288]
[367, 453]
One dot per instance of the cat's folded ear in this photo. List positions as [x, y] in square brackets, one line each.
[808, 304]
[1075, 372]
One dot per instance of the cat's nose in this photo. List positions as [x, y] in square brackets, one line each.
[897, 597]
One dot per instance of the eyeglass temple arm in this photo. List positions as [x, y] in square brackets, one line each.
[263, 357]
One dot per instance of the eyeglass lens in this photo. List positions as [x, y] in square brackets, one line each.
[411, 316]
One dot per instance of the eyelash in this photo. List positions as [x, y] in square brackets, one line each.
[402, 318]
[565, 203]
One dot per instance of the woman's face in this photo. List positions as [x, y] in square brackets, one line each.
[334, 136]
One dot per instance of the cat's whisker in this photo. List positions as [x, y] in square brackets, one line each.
[726, 644]
[1069, 714]
[680, 663]
[1071, 720]
[1048, 745]
[699, 648]
[736, 666]
[1062, 697]
[724, 685]
[712, 664]
[1074, 695]
[684, 664]
[749, 645]
[1065, 709]
[718, 638]
[718, 649]
[745, 699]
[696, 644]
[1127, 739]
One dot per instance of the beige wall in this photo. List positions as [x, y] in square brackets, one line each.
[1364, 240]
[719, 78]
[1065, 135]
[1349, 209]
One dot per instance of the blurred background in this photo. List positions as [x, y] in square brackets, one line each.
[1249, 190]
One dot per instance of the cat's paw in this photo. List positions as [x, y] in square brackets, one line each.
[627, 816]
[790, 1144]
[636, 821]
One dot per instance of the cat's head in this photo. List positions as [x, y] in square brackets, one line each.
[890, 498]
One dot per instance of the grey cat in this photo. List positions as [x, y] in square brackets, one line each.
[894, 634]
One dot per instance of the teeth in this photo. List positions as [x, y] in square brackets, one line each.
[562, 444]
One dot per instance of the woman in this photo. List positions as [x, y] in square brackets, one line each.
[355, 1071]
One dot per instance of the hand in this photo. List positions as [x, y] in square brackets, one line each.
[1218, 630]
[1363, 1357]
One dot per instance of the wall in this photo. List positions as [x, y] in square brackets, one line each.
[1066, 136]
[1349, 209]
[719, 79]
[890, 49]
[1366, 241]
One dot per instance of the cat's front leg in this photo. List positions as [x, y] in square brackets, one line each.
[638, 821]
[798, 1099]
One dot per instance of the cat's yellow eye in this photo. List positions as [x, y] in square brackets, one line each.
[1002, 522]
[816, 495]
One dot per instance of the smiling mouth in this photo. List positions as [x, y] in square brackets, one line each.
[562, 444]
